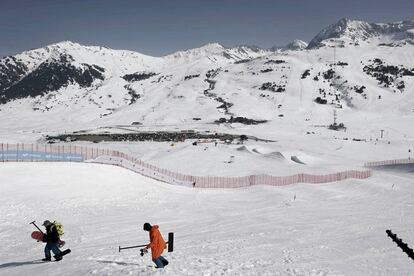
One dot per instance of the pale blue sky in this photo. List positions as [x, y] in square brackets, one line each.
[160, 27]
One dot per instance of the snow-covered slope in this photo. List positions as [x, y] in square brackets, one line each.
[330, 229]
[88, 83]
[284, 96]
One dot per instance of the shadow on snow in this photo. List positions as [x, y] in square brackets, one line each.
[16, 264]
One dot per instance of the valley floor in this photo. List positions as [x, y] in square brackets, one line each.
[329, 229]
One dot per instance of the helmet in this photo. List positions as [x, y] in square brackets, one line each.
[147, 226]
[46, 223]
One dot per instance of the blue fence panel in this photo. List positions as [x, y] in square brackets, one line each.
[39, 156]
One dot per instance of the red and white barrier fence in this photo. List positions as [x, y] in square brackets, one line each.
[389, 162]
[145, 169]
[71, 153]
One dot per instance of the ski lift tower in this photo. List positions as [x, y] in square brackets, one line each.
[335, 125]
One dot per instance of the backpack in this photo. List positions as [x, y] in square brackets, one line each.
[59, 228]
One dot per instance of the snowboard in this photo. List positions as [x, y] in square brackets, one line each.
[61, 254]
[37, 235]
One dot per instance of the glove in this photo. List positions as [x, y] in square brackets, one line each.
[143, 251]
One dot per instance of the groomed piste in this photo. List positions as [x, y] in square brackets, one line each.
[328, 229]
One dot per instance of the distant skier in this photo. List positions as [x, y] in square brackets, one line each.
[157, 245]
[52, 239]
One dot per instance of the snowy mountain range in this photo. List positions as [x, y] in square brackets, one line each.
[351, 65]
[351, 31]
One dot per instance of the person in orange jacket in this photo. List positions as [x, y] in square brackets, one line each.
[157, 245]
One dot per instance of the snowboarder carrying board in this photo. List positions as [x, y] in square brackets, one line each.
[157, 245]
[52, 239]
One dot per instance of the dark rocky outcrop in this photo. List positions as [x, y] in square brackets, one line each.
[387, 75]
[267, 70]
[359, 89]
[224, 104]
[305, 74]
[213, 73]
[241, 120]
[52, 75]
[11, 71]
[328, 75]
[271, 86]
[134, 95]
[139, 76]
[189, 77]
[277, 61]
[242, 61]
[319, 100]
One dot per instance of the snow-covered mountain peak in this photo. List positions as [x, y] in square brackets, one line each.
[54, 50]
[205, 50]
[249, 48]
[296, 44]
[215, 46]
[215, 52]
[77, 54]
[66, 44]
[343, 28]
[355, 32]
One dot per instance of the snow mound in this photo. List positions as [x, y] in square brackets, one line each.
[296, 159]
[300, 157]
[262, 151]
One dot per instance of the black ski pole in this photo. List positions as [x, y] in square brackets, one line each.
[129, 247]
[170, 243]
[33, 222]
